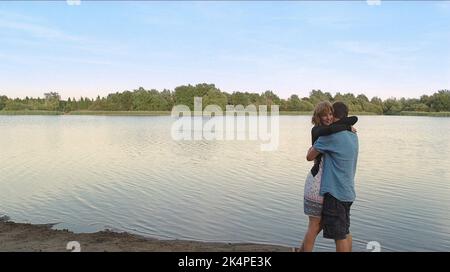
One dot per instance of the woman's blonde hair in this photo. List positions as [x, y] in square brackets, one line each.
[321, 109]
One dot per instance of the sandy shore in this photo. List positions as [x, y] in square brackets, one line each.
[20, 237]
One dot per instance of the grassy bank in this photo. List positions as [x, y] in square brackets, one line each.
[158, 113]
[423, 113]
[362, 113]
[309, 113]
[167, 113]
[31, 112]
[120, 113]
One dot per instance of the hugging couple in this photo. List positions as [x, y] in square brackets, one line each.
[329, 187]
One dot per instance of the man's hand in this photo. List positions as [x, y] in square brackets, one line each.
[354, 130]
[312, 154]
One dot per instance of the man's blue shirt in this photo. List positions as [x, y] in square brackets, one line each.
[339, 164]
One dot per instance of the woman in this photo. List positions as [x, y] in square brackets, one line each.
[312, 204]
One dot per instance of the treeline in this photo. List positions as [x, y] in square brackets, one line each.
[154, 100]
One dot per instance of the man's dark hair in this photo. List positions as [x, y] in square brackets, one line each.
[340, 110]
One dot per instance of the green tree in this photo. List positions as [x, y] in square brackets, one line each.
[3, 100]
[68, 105]
[239, 98]
[294, 103]
[372, 107]
[362, 98]
[363, 102]
[141, 100]
[440, 101]
[215, 97]
[306, 106]
[203, 88]
[376, 101]
[254, 98]
[184, 95]
[153, 100]
[52, 100]
[420, 107]
[392, 106]
[169, 97]
[270, 98]
[15, 105]
[157, 102]
[98, 104]
[317, 96]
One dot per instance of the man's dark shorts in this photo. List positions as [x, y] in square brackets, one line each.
[335, 218]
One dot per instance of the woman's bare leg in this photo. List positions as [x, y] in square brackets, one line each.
[314, 229]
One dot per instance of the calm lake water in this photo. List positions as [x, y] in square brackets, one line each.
[126, 173]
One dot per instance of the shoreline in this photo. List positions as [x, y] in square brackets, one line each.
[24, 237]
[168, 113]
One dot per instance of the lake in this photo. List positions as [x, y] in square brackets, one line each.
[88, 173]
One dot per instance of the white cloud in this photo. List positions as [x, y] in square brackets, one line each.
[13, 16]
[27, 59]
[373, 2]
[381, 55]
[39, 31]
[334, 22]
[35, 31]
[443, 5]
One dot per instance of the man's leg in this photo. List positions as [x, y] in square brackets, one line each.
[349, 237]
[343, 245]
[350, 241]
[336, 222]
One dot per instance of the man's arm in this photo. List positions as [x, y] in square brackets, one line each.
[345, 123]
[312, 154]
[322, 145]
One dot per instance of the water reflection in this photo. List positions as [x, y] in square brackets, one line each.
[126, 173]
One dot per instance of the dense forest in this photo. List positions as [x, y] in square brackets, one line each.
[154, 100]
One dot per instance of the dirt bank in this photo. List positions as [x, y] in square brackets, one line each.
[28, 237]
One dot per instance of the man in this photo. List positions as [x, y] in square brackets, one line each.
[340, 151]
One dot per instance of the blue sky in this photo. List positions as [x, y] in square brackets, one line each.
[393, 49]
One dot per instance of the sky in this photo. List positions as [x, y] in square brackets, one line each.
[379, 48]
